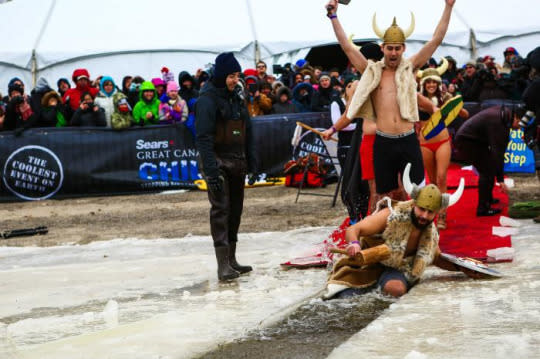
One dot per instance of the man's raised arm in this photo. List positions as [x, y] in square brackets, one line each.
[425, 53]
[355, 57]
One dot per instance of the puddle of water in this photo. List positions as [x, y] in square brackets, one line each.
[312, 331]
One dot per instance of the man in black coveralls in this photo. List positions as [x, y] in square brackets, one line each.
[482, 140]
[225, 145]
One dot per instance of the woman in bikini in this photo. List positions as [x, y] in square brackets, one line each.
[436, 151]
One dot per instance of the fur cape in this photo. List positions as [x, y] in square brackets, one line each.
[396, 236]
[348, 273]
[361, 104]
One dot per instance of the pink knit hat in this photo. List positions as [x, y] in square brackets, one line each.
[172, 86]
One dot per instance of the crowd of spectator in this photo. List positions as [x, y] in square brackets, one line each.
[293, 88]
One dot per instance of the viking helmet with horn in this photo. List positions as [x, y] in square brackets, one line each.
[394, 34]
[433, 73]
[430, 197]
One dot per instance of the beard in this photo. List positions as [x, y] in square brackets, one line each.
[415, 221]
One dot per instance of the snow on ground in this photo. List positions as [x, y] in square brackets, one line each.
[450, 316]
[132, 298]
[144, 298]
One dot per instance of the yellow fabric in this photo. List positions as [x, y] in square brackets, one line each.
[450, 109]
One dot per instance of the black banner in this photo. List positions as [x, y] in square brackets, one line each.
[65, 162]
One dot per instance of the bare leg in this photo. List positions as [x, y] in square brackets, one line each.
[442, 160]
[429, 164]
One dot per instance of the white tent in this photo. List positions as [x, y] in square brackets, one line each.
[51, 38]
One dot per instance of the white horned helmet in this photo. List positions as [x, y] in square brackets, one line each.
[430, 197]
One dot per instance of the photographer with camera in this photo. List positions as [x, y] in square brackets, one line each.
[258, 104]
[287, 75]
[88, 114]
[18, 114]
[490, 86]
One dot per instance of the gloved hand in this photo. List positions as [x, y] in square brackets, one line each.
[252, 178]
[215, 184]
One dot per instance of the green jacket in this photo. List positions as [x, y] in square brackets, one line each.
[142, 107]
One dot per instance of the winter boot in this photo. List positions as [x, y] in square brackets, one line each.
[225, 272]
[232, 260]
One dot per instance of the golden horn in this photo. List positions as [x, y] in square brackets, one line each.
[443, 67]
[376, 28]
[410, 30]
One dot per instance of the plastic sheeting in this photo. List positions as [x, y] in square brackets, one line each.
[111, 36]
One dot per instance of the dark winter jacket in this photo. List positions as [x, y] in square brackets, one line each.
[302, 103]
[15, 119]
[321, 100]
[187, 93]
[280, 107]
[223, 128]
[489, 129]
[89, 118]
[52, 116]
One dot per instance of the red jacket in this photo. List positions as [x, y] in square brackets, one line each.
[73, 95]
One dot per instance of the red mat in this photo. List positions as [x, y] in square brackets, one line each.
[455, 173]
[467, 235]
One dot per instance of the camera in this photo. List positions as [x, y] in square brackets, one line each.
[17, 100]
[526, 119]
[278, 69]
[485, 75]
[529, 135]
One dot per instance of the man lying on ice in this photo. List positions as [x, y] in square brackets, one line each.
[408, 242]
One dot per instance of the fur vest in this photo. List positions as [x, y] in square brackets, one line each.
[396, 236]
[361, 104]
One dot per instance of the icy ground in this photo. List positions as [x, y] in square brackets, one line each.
[450, 316]
[149, 299]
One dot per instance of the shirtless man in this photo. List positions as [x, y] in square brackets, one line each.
[386, 94]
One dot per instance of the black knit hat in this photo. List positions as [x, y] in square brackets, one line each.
[63, 79]
[226, 64]
[15, 87]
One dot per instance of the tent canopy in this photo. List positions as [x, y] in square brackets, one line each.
[117, 37]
